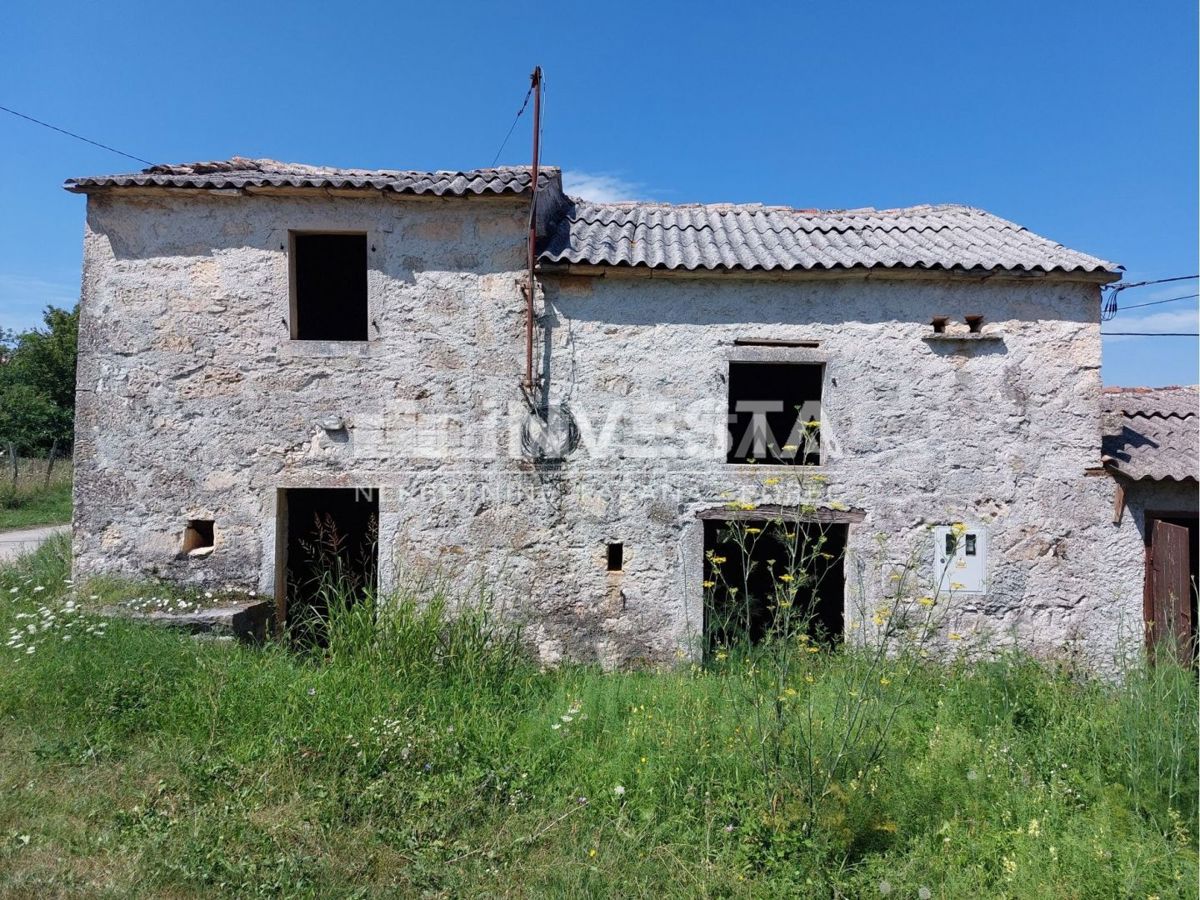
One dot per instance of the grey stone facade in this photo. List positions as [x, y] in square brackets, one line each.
[194, 403]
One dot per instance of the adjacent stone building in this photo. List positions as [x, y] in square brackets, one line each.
[263, 344]
[1150, 450]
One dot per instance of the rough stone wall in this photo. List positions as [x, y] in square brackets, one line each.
[992, 432]
[195, 404]
[1122, 564]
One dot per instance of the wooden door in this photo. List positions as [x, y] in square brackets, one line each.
[1169, 616]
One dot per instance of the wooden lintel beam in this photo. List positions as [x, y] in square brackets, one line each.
[768, 512]
[1119, 502]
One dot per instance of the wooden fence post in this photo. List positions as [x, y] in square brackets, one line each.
[50, 462]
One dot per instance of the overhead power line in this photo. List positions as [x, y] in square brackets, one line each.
[1150, 334]
[524, 103]
[78, 137]
[1110, 308]
[1159, 302]
[1137, 284]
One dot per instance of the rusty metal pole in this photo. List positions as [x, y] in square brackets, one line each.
[536, 82]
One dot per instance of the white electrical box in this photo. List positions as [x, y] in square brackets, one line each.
[960, 559]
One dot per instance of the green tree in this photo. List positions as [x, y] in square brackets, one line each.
[37, 383]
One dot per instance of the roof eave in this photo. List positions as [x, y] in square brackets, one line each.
[134, 190]
[566, 267]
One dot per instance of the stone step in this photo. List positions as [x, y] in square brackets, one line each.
[245, 621]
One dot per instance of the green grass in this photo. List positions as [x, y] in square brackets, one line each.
[31, 501]
[418, 758]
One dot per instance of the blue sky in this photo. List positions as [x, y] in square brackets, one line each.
[1076, 119]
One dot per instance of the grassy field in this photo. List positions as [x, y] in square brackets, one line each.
[416, 758]
[31, 501]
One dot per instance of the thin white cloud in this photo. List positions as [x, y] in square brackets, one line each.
[24, 297]
[601, 187]
[1185, 320]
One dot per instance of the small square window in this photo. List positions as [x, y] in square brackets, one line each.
[198, 537]
[616, 557]
[329, 287]
[775, 413]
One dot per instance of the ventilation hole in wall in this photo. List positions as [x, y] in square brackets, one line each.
[616, 557]
[198, 537]
[939, 324]
[974, 323]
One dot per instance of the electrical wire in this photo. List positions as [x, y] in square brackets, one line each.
[542, 124]
[78, 137]
[1159, 302]
[525, 103]
[1109, 308]
[1150, 334]
[1137, 284]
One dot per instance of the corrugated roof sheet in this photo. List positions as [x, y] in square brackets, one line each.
[749, 237]
[768, 238]
[240, 172]
[1152, 433]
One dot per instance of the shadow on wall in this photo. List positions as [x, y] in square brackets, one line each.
[672, 300]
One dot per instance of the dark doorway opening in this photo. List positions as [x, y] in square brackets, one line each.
[329, 552]
[775, 413]
[1172, 576]
[329, 289]
[773, 579]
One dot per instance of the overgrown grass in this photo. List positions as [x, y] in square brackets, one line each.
[418, 757]
[33, 499]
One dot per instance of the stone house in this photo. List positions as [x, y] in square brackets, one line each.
[266, 345]
[1150, 450]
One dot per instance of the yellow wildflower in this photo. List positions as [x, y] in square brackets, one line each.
[785, 577]
[708, 584]
[926, 602]
[885, 681]
[753, 531]
[814, 649]
[954, 636]
[771, 482]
